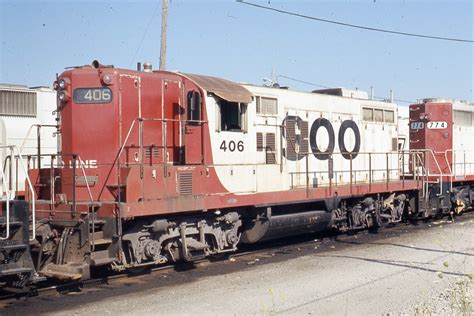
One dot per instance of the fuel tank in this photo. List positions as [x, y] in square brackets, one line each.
[279, 226]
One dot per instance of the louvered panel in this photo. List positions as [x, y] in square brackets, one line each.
[394, 144]
[185, 183]
[290, 137]
[18, 103]
[154, 150]
[270, 148]
[259, 142]
[258, 103]
[304, 138]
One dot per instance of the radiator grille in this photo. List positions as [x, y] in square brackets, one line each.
[270, 148]
[296, 142]
[185, 183]
[394, 144]
[290, 136]
[268, 106]
[259, 142]
[17, 103]
[304, 138]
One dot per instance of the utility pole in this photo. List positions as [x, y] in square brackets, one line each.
[164, 16]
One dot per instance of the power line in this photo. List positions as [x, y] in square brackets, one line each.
[396, 100]
[302, 81]
[367, 28]
[144, 34]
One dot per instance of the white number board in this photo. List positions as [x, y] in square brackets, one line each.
[437, 125]
[417, 125]
[92, 95]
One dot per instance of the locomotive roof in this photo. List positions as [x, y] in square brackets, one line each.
[223, 88]
[459, 105]
[294, 95]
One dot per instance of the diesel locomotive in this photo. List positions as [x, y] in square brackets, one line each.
[155, 167]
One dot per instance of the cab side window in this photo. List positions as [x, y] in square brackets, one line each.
[194, 107]
[233, 116]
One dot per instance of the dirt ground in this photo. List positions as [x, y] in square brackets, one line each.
[422, 270]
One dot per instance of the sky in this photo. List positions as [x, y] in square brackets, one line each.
[238, 42]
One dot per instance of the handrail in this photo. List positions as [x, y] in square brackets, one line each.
[75, 157]
[454, 151]
[140, 119]
[352, 171]
[8, 158]
[451, 166]
[427, 172]
[30, 185]
[81, 163]
[5, 187]
[38, 139]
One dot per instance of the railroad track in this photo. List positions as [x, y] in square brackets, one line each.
[248, 255]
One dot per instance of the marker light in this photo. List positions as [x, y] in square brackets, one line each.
[107, 79]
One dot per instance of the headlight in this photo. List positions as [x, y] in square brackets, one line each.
[62, 96]
[62, 83]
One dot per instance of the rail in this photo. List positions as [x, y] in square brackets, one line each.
[453, 165]
[8, 158]
[335, 177]
[413, 164]
[75, 162]
[38, 139]
[75, 159]
[8, 186]
[9, 196]
[420, 160]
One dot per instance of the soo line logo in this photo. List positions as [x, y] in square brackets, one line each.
[293, 123]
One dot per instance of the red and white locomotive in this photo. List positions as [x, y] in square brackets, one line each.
[158, 166]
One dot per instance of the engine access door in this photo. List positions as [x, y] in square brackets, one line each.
[173, 116]
[193, 147]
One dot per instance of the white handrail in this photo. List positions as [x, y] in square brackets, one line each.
[30, 185]
[33, 204]
[85, 179]
[5, 187]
